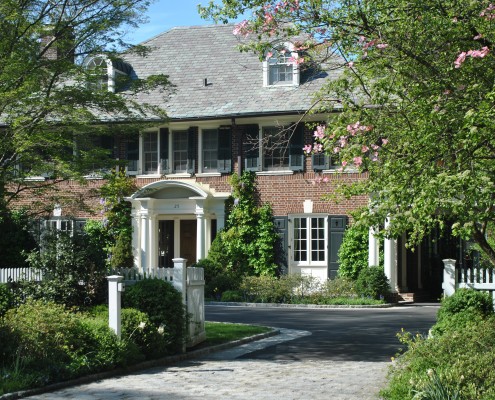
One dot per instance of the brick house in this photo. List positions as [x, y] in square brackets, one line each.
[229, 112]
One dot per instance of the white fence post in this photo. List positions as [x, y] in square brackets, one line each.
[179, 277]
[115, 288]
[196, 305]
[449, 284]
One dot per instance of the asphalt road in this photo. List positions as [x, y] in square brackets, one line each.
[336, 334]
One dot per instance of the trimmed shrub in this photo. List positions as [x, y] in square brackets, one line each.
[163, 305]
[137, 328]
[466, 300]
[232, 295]
[372, 282]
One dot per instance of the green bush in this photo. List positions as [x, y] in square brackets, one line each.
[372, 282]
[6, 299]
[163, 304]
[353, 252]
[466, 300]
[75, 270]
[137, 328]
[462, 358]
[232, 295]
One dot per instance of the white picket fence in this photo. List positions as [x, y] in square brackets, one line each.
[19, 274]
[482, 279]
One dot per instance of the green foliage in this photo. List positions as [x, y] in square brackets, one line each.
[75, 271]
[138, 329]
[353, 252]
[465, 306]
[232, 296]
[470, 300]
[15, 238]
[249, 240]
[6, 299]
[372, 282]
[461, 357]
[116, 227]
[163, 305]
[48, 101]
[415, 109]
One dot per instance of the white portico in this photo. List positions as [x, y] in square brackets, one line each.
[174, 219]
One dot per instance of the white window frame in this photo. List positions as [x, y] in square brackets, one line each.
[142, 153]
[201, 159]
[288, 47]
[309, 262]
[172, 150]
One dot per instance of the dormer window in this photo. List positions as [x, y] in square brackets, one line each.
[281, 67]
[107, 74]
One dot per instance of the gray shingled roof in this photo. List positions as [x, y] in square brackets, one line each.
[235, 80]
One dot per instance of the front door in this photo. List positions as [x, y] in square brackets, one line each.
[176, 239]
[188, 240]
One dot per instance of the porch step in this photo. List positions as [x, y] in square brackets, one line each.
[413, 297]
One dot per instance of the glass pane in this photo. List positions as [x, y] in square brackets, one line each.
[275, 148]
[210, 150]
[300, 243]
[317, 239]
[179, 152]
[150, 152]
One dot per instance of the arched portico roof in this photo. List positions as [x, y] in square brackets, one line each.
[187, 189]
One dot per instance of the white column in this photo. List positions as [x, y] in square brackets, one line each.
[136, 238]
[200, 236]
[153, 241]
[144, 243]
[390, 261]
[207, 234]
[373, 248]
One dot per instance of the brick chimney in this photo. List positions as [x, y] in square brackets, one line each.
[57, 45]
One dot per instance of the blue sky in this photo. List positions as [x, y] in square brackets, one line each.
[165, 14]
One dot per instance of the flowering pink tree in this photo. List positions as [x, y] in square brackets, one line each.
[414, 104]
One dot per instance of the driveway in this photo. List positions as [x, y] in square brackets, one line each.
[321, 354]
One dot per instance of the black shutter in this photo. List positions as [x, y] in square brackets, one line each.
[225, 149]
[281, 254]
[296, 153]
[336, 227]
[132, 153]
[164, 160]
[191, 140]
[251, 149]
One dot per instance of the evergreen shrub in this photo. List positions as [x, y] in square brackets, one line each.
[372, 282]
[163, 305]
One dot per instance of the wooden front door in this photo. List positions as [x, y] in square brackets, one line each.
[188, 240]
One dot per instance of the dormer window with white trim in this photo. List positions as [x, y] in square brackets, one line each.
[108, 75]
[281, 67]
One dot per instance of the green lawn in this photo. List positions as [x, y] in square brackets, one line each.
[218, 333]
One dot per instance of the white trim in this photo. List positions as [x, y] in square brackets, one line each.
[208, 174]
[179, 175]
[274, 172]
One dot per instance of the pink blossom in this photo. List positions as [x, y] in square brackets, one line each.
[350, 64]
[343, 141]
[478, 37]
[307, 148]
[242, 29]
[375, 156]
[344, 163]
[479, 53]
[384, 142]
[336, 150]
[325, 179]
[357, 161]
[269, 55]
[317, 147]
[364, 149]
[488, 13]
[375, 147]
[268, 18]
[382, 45]
[295, 60]
[320, 132]
[460, 59]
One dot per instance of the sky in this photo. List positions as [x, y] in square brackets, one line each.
[166, 14]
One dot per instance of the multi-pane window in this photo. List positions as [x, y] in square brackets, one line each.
[280, 148]
[276, 148]
[309, 240]
[210, 150]
[280, 69]
[150, 152]
[180, 151]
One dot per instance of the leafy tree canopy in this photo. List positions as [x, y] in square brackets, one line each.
[415, 102]
[49, 98]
